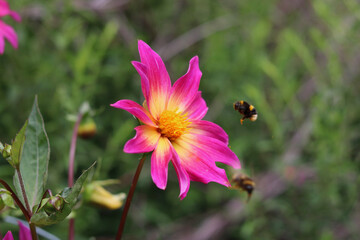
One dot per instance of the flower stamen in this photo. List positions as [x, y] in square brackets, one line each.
[172, 125]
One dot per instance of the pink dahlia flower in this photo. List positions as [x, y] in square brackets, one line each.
[24, 233]
[7, 32]
[173, 127]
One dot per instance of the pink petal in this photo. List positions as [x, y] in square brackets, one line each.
[160, 161]
[24, 233]
[15, 16]
[159, 80]
[2, 44]
[216, 150]
[142, 70]
[8, 236]
[197, 109]
[183, 177]
[9, 33]
[199, 165]
[144, 141]
[185, 88]
[135, 109]
[209, 129]
[4, 8]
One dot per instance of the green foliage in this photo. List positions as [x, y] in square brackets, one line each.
[70, 199]
[12, 153]
[6, 199]
[17, 147]
[35, 159]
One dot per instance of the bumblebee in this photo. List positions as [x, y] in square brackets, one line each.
[247, 110]
[242, 182]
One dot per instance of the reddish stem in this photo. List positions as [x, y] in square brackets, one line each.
[71, 169]
[129, 198]
[22, 208]
[33, 231]
[71, 228]
[72, 151]
[22, 186]
[17, 200]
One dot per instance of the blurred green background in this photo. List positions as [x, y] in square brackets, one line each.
[296, 61]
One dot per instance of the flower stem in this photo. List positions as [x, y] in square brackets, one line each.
[17, 200]
[72, 151]
[71, 168]
[22, 186]
[26, 213]
[33, 231]
[71, 228]
[129, 198]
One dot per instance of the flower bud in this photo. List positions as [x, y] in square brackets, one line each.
[87, 129]
[53, 204]
[95, 194]
[6, 152]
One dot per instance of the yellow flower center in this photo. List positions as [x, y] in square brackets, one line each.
[172, 125]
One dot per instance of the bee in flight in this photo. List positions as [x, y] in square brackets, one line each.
[247, 110]
[242, 182]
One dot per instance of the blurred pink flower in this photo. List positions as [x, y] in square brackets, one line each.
[172, 126]
[24, 233]
[7, 32]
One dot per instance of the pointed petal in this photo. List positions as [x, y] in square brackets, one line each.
[142, 70]
[159, 80]
[4, 8]
[144, 141]
[184, 179]
[24, 233]
[209, 129]
[2, 44]
[216, 150]
[9, 33]
[160, 161]
[8, 236]
[197, 109]
[135, 109]
[199, 165]
[15, 16]
[185, 88]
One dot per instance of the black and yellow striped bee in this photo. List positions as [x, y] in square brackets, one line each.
[242, 182]
[247, 110]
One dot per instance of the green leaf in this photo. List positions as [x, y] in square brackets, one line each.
[6, 199]
[17, 147]
[34, 160]
[70, 195]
